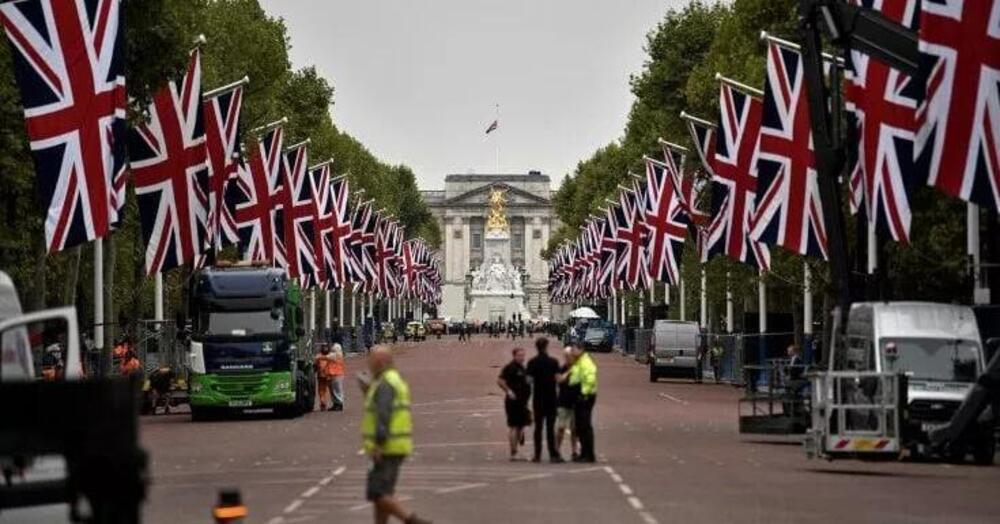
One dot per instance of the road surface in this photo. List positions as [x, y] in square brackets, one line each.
[668, 452]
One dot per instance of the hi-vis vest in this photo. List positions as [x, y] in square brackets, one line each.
[399, 441]
[584, 374]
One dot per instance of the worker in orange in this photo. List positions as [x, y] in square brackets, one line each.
[337, 378]
[130, 364]
[324, 364]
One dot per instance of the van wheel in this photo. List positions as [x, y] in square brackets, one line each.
[984, 451]
[200, 414]
[653, 377]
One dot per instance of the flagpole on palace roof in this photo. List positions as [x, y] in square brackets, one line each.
[496, 138]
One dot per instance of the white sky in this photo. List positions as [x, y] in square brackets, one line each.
[417, 81]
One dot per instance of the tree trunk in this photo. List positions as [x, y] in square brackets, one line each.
[73, 276]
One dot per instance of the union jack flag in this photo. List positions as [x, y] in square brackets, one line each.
[169, 162]
[222, 122]
[665, 218]
[788, 209]
[882, 103]
[960, 122]
[337, 234]
[687, 185]
[734, 181]
[294, 218]
[322, 221]
[363, 242]
[703, 136]
[69, 64]
[633, 269]
[257, 196]
[387, 238]
[609, 253]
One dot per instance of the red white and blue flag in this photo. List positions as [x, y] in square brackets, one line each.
[734, 180]
[337, 234]
[294, 218]
[222, 123]
[882, 106]
[322, 219]
[633, 270]
[788, 212]
[257, 196]
[169, 162]
[960, 121]
[665, 218]
[69, 64]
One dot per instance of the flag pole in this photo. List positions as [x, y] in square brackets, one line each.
[496, 139]
[99, 302]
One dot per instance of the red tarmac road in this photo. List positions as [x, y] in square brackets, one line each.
[669, 452]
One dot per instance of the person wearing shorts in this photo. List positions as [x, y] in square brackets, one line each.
[564, 406]
[513, 380]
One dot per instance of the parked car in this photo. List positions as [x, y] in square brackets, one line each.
[599, 338]
[415, 331]
[674, 350]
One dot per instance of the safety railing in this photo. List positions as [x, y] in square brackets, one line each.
[856, 413]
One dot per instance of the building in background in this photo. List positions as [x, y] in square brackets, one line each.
[461, 210]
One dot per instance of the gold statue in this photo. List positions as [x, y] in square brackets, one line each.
[497, 220]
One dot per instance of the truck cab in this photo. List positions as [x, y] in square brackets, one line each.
[245, 350]
[934, 349]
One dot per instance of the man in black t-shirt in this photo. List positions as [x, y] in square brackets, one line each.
[513, 381]
[542, 370]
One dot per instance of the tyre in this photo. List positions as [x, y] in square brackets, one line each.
[653, 376]
[199, 414]
[984, 451]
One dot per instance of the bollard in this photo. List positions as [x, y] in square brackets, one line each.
[230, 508]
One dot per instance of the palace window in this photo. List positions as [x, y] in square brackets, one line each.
[477, 240]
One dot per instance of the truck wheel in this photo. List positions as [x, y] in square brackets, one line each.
[200, 414]
[984, 450]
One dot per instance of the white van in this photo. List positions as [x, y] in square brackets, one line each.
[937, 346]
[675, 349]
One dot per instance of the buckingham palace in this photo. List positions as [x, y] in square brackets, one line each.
[463, 210]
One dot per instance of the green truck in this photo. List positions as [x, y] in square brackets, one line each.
[246, 345]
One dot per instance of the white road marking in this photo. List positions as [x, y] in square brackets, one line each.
[461, 487]
[293, 506]
[310, 492]
[616, 477]
[533, 476]
[636, 503]
[647, 517]
[626, 490]
[673, 398]
[276, 520]
[585, 470]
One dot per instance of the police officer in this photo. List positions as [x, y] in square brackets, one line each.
[386, 429]
[583, 374]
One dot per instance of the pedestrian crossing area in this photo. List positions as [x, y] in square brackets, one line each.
[343, 497]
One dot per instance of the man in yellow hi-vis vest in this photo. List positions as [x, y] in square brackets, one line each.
[386, 433]
[583, 375]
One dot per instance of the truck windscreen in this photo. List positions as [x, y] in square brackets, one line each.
[242, 323]
[933, 359]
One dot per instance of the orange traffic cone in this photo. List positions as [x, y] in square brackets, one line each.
[230, 508]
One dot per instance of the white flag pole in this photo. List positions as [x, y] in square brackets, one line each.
[762, 303]
[327, 314]
[158, 296]
[354, 308]
[729, 305]
[807, 300]
[872, 249]
[99, 295]
[972, 243]
[340, 307]
[704, 301]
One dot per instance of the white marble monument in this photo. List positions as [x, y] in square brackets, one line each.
[496, 291]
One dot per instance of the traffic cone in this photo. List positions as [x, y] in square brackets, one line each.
[230, 508]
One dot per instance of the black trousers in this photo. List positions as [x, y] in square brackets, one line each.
[545, 414]
[583, 412]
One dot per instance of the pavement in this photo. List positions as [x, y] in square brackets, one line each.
[668, 452]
